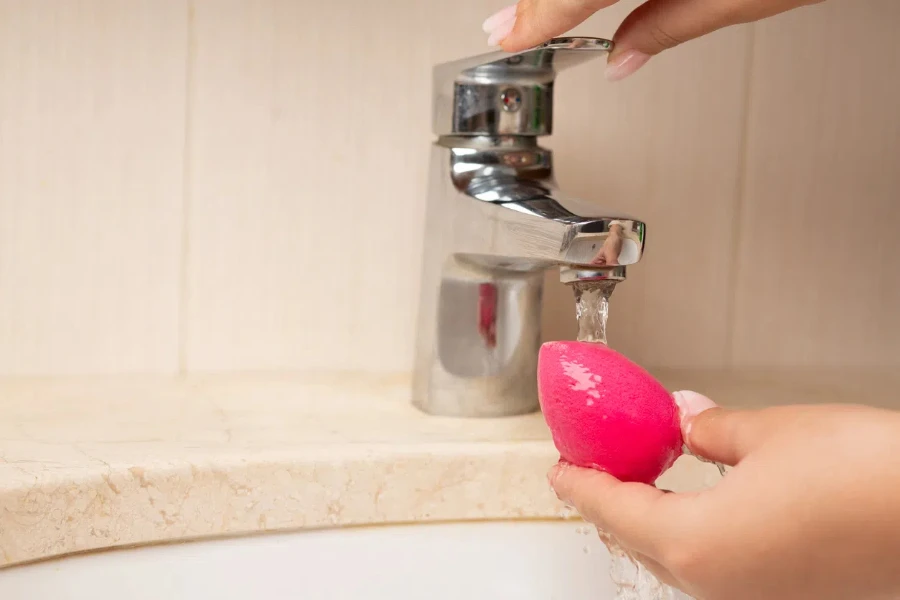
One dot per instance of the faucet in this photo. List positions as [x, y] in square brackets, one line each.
[494, 223]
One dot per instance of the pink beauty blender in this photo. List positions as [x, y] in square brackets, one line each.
[607, 413]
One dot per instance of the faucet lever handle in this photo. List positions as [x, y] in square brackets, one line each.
[500, 93]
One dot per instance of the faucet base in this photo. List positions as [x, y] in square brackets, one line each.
[481, 358]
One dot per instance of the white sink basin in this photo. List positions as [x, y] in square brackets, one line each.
[491, 561]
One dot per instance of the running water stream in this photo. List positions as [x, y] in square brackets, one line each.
[632, 580]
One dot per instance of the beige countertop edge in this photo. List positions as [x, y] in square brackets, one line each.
[95, 463]
[199, 497]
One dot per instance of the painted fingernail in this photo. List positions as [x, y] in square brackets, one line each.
[690, 404]
[501, 16]
[499, 25]
[625, 64]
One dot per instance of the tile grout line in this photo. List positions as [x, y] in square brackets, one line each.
[183, 290]
[740, 192]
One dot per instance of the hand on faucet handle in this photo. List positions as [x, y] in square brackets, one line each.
[655, 25]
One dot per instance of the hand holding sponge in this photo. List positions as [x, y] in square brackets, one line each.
[607, 413]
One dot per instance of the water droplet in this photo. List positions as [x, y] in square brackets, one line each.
[723, 470]
[632, 580]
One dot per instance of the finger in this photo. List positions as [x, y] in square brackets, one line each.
[639, 516]
[536, 21]
[658, 25]
[724, 436]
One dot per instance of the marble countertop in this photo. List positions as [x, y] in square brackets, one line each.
[96, 463]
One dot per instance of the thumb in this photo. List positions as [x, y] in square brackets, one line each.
[717, 434]
[658, 25]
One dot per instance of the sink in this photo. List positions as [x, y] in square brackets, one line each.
[520, 560]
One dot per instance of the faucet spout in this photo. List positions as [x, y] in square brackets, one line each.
[520, 220]
[495, 222]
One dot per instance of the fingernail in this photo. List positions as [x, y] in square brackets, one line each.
[499, 25]
[501, 16]
[625, 64]
[690, 404]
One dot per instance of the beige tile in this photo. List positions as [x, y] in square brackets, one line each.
[818, 279]
[665, 147]
[308, 136]
[309, 162]
[309, 139]
[92, 99]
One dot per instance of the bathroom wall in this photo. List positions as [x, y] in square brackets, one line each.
[220, 185]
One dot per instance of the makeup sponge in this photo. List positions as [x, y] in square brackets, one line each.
[607, 413]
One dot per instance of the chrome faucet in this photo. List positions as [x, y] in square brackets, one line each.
[494, 223]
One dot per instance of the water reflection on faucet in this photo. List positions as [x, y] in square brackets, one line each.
[620, 246]
[487, 313]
